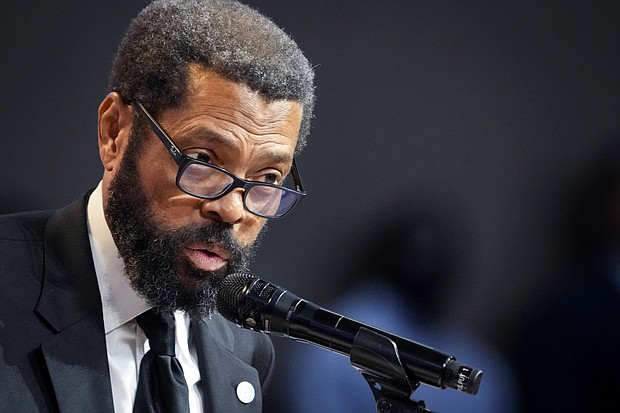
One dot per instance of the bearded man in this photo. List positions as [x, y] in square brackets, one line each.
[208, 104]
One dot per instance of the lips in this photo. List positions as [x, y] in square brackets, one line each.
[207, 258]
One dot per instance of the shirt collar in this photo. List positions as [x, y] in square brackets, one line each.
[119, 300]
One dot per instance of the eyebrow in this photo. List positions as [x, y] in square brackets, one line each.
[200, 135]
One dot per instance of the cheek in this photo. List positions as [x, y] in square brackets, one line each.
[172, 210]
[170, 207]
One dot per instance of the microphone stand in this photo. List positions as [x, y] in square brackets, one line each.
[377, 358]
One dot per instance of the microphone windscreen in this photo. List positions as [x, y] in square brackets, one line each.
[229, 294]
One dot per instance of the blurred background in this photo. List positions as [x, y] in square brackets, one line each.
[498, 112]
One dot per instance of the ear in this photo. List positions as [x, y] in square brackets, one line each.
[115, 118]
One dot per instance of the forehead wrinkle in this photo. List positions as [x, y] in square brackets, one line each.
[242, 120]
[256, 122]
[271, 154]
[198, 136]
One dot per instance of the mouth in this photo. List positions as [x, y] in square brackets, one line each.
[207, 258]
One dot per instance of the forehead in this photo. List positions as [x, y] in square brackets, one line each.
[213, 96]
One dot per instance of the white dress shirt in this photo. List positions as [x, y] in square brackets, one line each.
[125, 341]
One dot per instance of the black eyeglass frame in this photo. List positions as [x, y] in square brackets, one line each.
[183, 162]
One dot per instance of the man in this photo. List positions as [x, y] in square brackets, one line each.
[209, 102]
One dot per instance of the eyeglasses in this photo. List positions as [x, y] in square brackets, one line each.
[207, 181]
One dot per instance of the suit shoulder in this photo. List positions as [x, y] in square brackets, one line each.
[21, 263]
[23, 226]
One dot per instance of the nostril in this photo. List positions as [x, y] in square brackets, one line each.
[228, 208]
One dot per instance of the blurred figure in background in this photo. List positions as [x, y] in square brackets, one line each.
[402, 268]
[570, 357]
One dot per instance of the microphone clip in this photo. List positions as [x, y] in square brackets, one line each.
[377, 358]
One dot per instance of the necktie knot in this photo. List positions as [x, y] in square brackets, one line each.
[160, 330]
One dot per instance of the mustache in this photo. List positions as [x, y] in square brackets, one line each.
[209, 233]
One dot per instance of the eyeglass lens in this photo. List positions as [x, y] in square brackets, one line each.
[205, 181]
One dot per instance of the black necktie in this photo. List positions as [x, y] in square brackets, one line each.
[161, 384]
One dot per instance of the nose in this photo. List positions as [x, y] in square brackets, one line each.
[228, 208]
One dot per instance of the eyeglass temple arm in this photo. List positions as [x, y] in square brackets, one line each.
[159, 131]
[297, 178]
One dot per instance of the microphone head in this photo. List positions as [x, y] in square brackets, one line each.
[229, 295]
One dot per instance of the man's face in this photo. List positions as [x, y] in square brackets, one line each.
[177, 247]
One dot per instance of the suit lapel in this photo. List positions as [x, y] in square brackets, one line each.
[221, 372]
[78, 368]
[70, 303]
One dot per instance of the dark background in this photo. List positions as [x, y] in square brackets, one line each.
[497, 109]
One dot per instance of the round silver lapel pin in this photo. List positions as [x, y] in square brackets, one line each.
[245, 392]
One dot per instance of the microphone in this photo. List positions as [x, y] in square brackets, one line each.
[258, 305]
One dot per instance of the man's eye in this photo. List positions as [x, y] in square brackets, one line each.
[270, 179]
[200, 156]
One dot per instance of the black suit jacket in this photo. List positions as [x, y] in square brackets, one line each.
[52, 342]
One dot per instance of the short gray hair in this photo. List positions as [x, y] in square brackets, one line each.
[232, 39]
